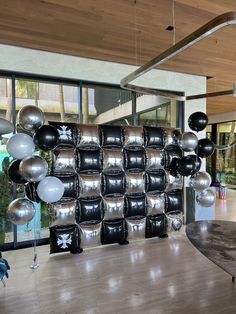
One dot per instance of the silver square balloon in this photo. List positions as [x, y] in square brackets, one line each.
[135, 182]
[134, 136]
[113, 159]
[64, 161]
[113, 207]
[89, 185]
[155, 204]
[90, 234]
[155, 159]
[63, 213]
[174, 221]
[136, 228]
[89, 135]
[171, 135]
[173, 182]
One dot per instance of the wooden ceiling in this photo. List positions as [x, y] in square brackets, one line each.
[127, 31]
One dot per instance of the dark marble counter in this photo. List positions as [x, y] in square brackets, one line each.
[216, 239]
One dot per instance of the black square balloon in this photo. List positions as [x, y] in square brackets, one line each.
[156, 181]
[156, 226]
[135, 159]
[174, 202]
[113, 231]
[88, 136]
[64, 239]
[67, 132]
[111, 135]
[133, 136]
[71, 185]
[154, 136]
[89, 160]
[171, 154]
[135, 205]
[113, 159]
[89, 185]
[89, 209]
[113, 183]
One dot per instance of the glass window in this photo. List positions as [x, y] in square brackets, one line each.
[6, 227]
[59, 102]
[161, 114]
[102, 105]
[226, 159]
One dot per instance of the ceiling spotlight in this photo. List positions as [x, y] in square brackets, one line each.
[170, 28]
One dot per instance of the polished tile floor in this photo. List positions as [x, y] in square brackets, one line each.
[159, 276]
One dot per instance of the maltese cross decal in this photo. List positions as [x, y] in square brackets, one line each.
[64, 133]
[64, 240]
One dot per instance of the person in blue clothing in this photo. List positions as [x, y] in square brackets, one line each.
[4, 267]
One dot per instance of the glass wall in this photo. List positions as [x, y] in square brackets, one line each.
[66, 102]
[6, 187]
[102, 105]
[162, 114]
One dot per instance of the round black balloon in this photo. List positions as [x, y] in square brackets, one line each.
[185, 166]
[198, 163]
[205, 148]
[31, 191]
[14, 172]
[198, 121]
[46, 137]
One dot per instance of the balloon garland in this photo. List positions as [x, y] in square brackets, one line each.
[29, 169]
[200, 180]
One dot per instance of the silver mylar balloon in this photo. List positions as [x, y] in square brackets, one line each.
[206, 198]
[135, 182]
[133, 136]
[90, 234]
[200, 181]
[113, 207]
[33, 168]
[188, 141]
[136, 228]
[155, 204]
[21, 211]
[63, 213]
[30, 118]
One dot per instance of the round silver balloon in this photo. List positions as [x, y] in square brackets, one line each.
[30, 118]
[20, 146]
[6, 127]
[188, 141]
[33, 168]
[206, 198]
[200, 181]
[21, 211]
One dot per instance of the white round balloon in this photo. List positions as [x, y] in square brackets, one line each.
[6, 126]
[50, 189]
[20, 146]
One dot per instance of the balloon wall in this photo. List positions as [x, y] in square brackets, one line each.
[117, 184]
[107, 184]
